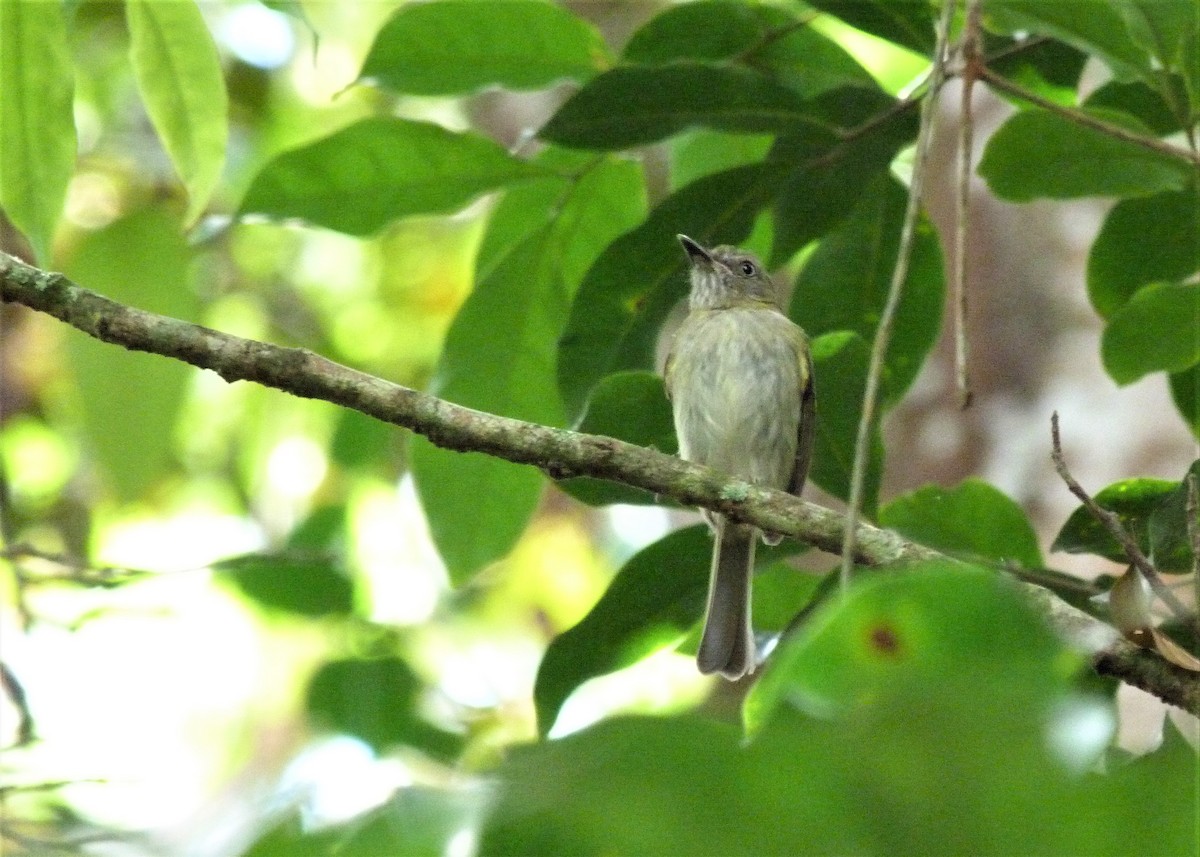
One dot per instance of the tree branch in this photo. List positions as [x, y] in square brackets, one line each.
[559, 452]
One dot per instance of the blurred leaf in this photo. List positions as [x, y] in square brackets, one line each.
[455, 47]
[831, 169]
[1170, 543]
[1040, 155]
[324, 529]
[288, 838]
[1139, 100]
[1185, 392]
[1168, 30]
[499, 357]
[376, 700]
[1122, 260]
[653, 601]
[1133, 501]
[972, 520]
[913, 627]
[299, 582]
[1156, 330]
[417, 822]
[130, 426]
[362, 441]
[633, 105]
[621, 304]
[840, 362]
[908, 23]
[360, 178]
[37, 119]
[978, 673]
[844, 284]
[179, 76]
[633, 407]
[1092, 26]
[1049, 67]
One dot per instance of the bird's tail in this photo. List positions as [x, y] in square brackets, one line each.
[727, 645]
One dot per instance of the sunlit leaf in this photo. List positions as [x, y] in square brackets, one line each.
[454, 47]
[141, 260]
[972, 520]
[37, 122]
[178, 73]
[908, 23]
[359, 179]
[1040, 155]
[1155, 331]
[1122, 260]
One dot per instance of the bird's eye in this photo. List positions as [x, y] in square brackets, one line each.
[748, 269]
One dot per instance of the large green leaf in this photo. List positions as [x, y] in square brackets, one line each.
[360, 178]
[840, 362]
[178, 73]
[1159, 329]
[37, 120]
[1093, 26]
[377, 700]
[1037, 154]
[1122, 260]
[143, 261]
[632, 105]
[844, 284]
[908, 23]
[499, 357]
[633, 407]
[973, 520]
[458, 46]
[1133, 501]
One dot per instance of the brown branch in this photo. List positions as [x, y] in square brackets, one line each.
[1112, 523]
[558, 451]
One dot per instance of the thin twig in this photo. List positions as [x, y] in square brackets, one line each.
[1079, 117]
[1192, 511]
[1115, 528]
[966, 144]
[15, 691]
[883, 332]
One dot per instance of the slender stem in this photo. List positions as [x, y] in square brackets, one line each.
[1113, 524]
[966, 145]
[883, 333]
[1192, 511]
[1079, 117]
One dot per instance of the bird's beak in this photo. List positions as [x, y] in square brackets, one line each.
[696, 253]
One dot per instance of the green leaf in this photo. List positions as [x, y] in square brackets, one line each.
[1048, 68]
[37, 120]
[830, 169]
[1138, 100]
[844, 284]
[298, 582]
[1037, 154]
[359, 179]
[912, 627]
[417, 821]
[1168, 30]
[908, 23]
[840, 362]
[1122, 260]
[1185, 392]
[1092, 26]
[455, 47]
[499, 357]
[973, 520]
[1159, 329]
[130, 427]
[700, 152]
[633, 407]
[654, 600]
[376, 700]
[1133, 501]
[1170, 541]
[632, 105]
[637, 280]
[178, 73]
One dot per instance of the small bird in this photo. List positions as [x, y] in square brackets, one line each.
[740, 380]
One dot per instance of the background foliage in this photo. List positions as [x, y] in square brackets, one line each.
[482, 198]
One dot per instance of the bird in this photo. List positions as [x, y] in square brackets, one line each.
[739, 377]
